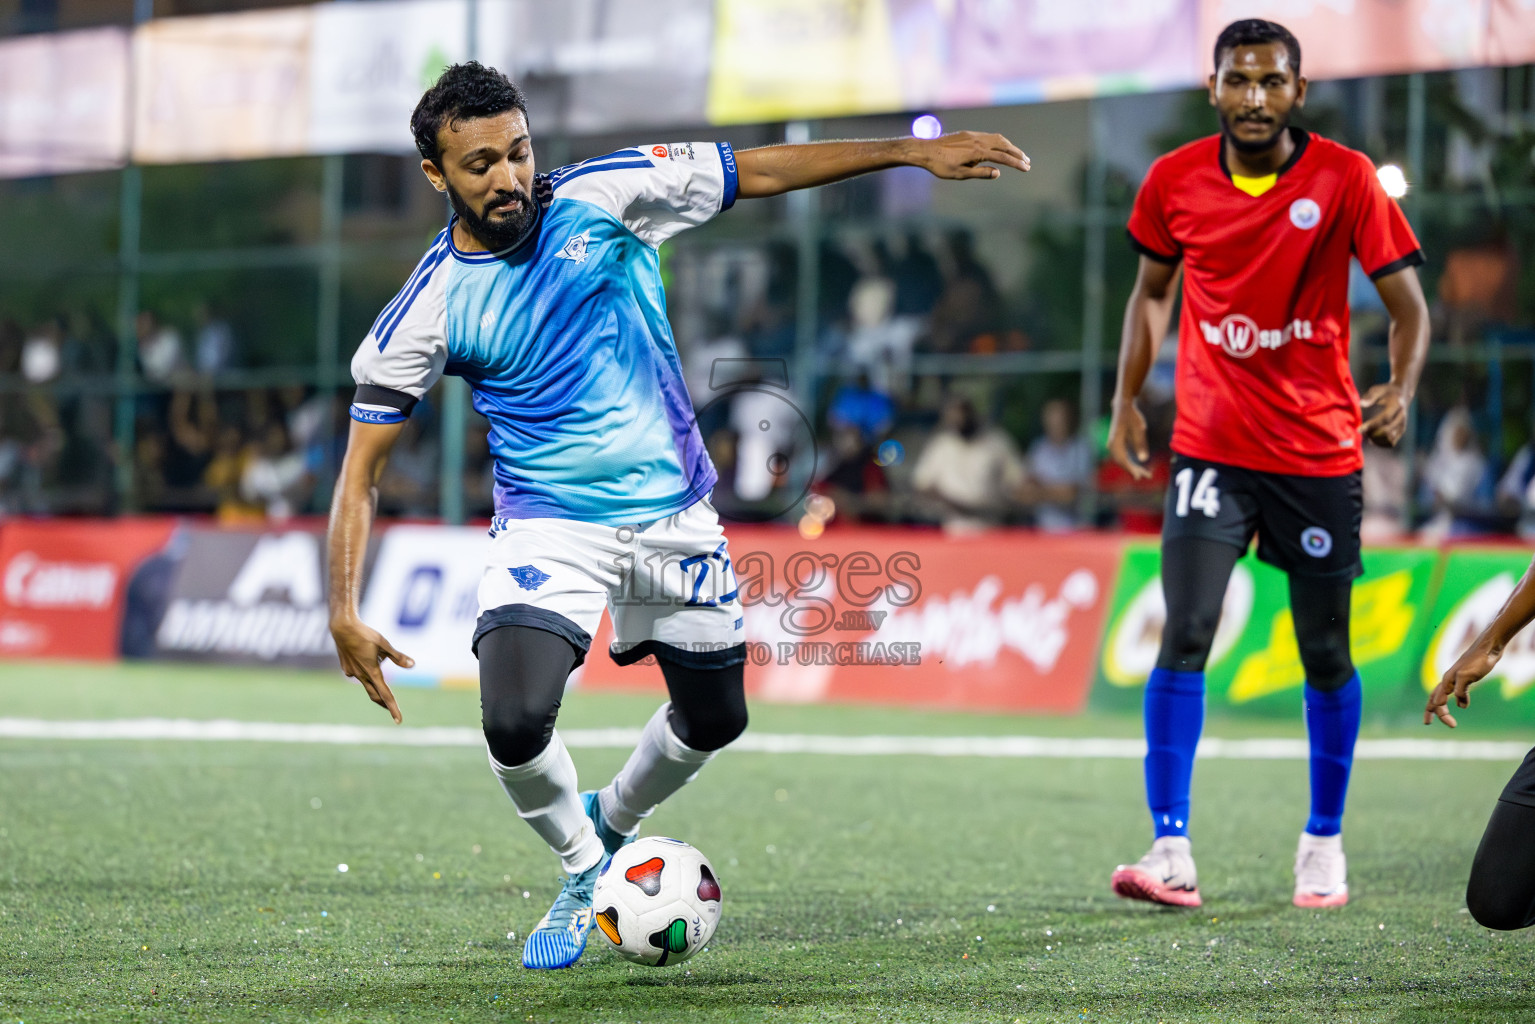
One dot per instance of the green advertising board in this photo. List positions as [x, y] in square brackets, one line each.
[1474, 585]
[1254, 664]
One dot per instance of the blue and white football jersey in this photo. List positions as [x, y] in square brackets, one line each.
[564, 340]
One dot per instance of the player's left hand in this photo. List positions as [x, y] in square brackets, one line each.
[1388, 414]
[969, 155]
[1468, 668]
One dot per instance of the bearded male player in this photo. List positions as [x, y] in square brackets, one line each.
[1263, 219]
[544, 292]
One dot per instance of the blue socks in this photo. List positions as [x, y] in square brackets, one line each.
[1332, 722]
[1175, 716]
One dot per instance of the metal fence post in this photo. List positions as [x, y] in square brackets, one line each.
[130, 217]
[1090, 400]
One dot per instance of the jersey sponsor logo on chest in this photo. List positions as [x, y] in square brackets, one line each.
[1239, 336]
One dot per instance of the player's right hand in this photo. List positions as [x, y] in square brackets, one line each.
[1468, 668]
[1127, 440]
[362, 650]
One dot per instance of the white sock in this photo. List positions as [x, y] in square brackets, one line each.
[544, 792]
[660, 765]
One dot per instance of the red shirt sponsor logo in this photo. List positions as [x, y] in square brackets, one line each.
[1263, 379]
[659, 152]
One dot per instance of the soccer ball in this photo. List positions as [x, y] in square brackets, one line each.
[657, 901]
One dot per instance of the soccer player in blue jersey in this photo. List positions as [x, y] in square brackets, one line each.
[544, 293]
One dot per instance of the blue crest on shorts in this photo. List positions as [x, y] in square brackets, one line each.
[527, 577]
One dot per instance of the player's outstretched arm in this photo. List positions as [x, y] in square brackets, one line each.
[1484, 652]
[1146, 319]
[1386, 404]
[362, 649]
[773, 170]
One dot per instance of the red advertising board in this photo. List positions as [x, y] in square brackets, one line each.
[1006, 621]
[62, 583]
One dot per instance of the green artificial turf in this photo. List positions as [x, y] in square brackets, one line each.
[195, 881]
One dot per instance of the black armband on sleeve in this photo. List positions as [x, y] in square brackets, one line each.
[374, 404]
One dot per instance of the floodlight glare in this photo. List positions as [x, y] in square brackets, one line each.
[1393, 180]
[927, 126]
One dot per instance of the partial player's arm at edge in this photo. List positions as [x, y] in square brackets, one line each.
[1484, 652]
[773, 170]
[362, 649]
[1402, 294]
[1147, 316]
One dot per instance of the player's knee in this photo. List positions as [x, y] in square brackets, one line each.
[516, 734]
[1490, 907]
[1325, 656]
[710, 727]
[1186, 641]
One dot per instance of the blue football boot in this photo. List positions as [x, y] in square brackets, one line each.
[558, 940]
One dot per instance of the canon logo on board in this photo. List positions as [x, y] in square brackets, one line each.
[31, 582]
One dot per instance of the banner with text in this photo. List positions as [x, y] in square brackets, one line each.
[1007, 621]
[64, 583]
[1254, 664]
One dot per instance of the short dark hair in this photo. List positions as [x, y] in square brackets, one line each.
[1257, 32]
[464, 91]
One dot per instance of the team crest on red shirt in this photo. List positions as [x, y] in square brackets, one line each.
[1305, 214]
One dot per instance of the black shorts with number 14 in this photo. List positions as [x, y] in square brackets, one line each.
[1306, 525]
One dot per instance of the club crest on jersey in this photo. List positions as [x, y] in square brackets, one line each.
[528, 577]
[577, 248]
[1316, 542]
[1305, 214]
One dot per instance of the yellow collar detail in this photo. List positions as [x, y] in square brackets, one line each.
[1254, 186]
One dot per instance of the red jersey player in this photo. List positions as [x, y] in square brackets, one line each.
[1263, 219]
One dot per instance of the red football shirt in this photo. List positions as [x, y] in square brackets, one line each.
[1263, 379]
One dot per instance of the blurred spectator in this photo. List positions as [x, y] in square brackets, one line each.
[274, 476]
[969, 304]
[860, 406]
[1385, 496]
[1515, 493]
[409, 486]
[215, 343]
[1060, 464]
[969, 473]
[918, 279]
[193, 419]
[1452, 472]
[854, 481]
[722, 452]
[42, 354]
[879, 343]
[160, 353]
[763, 420]
[223, 476]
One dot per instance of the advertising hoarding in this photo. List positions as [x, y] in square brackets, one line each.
[1474, 585]
[222, 87]
[63, 102]
[64, 583]
[369, 65]
[1254, 664]
[1002, 621]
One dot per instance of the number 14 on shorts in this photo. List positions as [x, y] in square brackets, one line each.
[1201, 497]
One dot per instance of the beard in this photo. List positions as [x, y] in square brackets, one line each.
[1280, 125]
[498, 233]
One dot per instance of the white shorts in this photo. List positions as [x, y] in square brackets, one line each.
[669, 585]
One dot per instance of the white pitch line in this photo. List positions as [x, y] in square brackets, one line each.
[753, 742]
